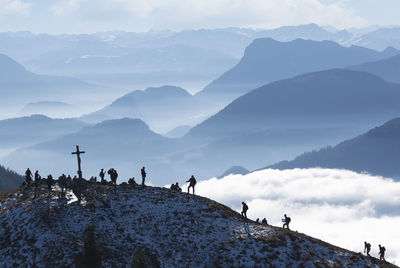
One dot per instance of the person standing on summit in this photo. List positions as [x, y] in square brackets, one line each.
[143, 171]
[28, 176]
[101, 174]
[192, 182]
[286, 222]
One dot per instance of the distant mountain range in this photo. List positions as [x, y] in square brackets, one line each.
[327, 98]
[274, 122]
[19, 86]
[49, 108]
[266, 60]
[388, 69]
[375, 152]
[15, 76]
[380, 38]
[162, 108]
[28, 130]
[187, 58]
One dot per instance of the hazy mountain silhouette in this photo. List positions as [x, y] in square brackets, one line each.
[19, 86]
[234, 170]
[49, 108]
[307, 31]
[161, 107]
[29, 130]
[375, 152]
[111, 135]
[388, 69]
[380, 38]
[266, 60]
[326, 98]
[289, 117]
[125, 144]
[9, 179]
[178, 132]
[274, 122]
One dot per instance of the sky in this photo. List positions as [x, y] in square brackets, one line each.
[88, 16]
[341, 207]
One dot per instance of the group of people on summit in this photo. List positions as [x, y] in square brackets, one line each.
[65, 182]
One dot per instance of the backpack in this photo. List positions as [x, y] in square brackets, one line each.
[288, 219]
[245, 207]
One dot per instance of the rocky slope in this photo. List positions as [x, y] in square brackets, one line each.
[150, 227]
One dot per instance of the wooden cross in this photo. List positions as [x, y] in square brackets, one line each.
[78, 155]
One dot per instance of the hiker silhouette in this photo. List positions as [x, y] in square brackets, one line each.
[132, 181]
[244, 209]
[49, 182]
[286, 222]
[176, 187]
[382, 250]
[37, 176]
[143, 172]
[192, 183]
[62, 182]
[101, 175]
[367, 248]
[113, 176]
[37, 182]
[28, 176]
[264, 221]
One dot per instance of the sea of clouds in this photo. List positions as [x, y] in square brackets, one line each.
[341, 207]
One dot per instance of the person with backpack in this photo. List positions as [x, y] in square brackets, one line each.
[143, 172]
[245, 208]
[49, 182]
[367, 248]
[113, 176]
[264, 221]
[382, 250]
[28, 176]
[286, 222]
[192, 183]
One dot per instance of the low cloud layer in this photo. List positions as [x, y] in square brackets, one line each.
[339, 206]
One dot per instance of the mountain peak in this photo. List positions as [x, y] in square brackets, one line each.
[167, 91]
[10, 66]
[125, 123]
[125, 226]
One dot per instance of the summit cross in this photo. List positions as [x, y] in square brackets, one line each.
[78, 155]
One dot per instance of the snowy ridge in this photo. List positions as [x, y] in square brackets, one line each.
[155, 226]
